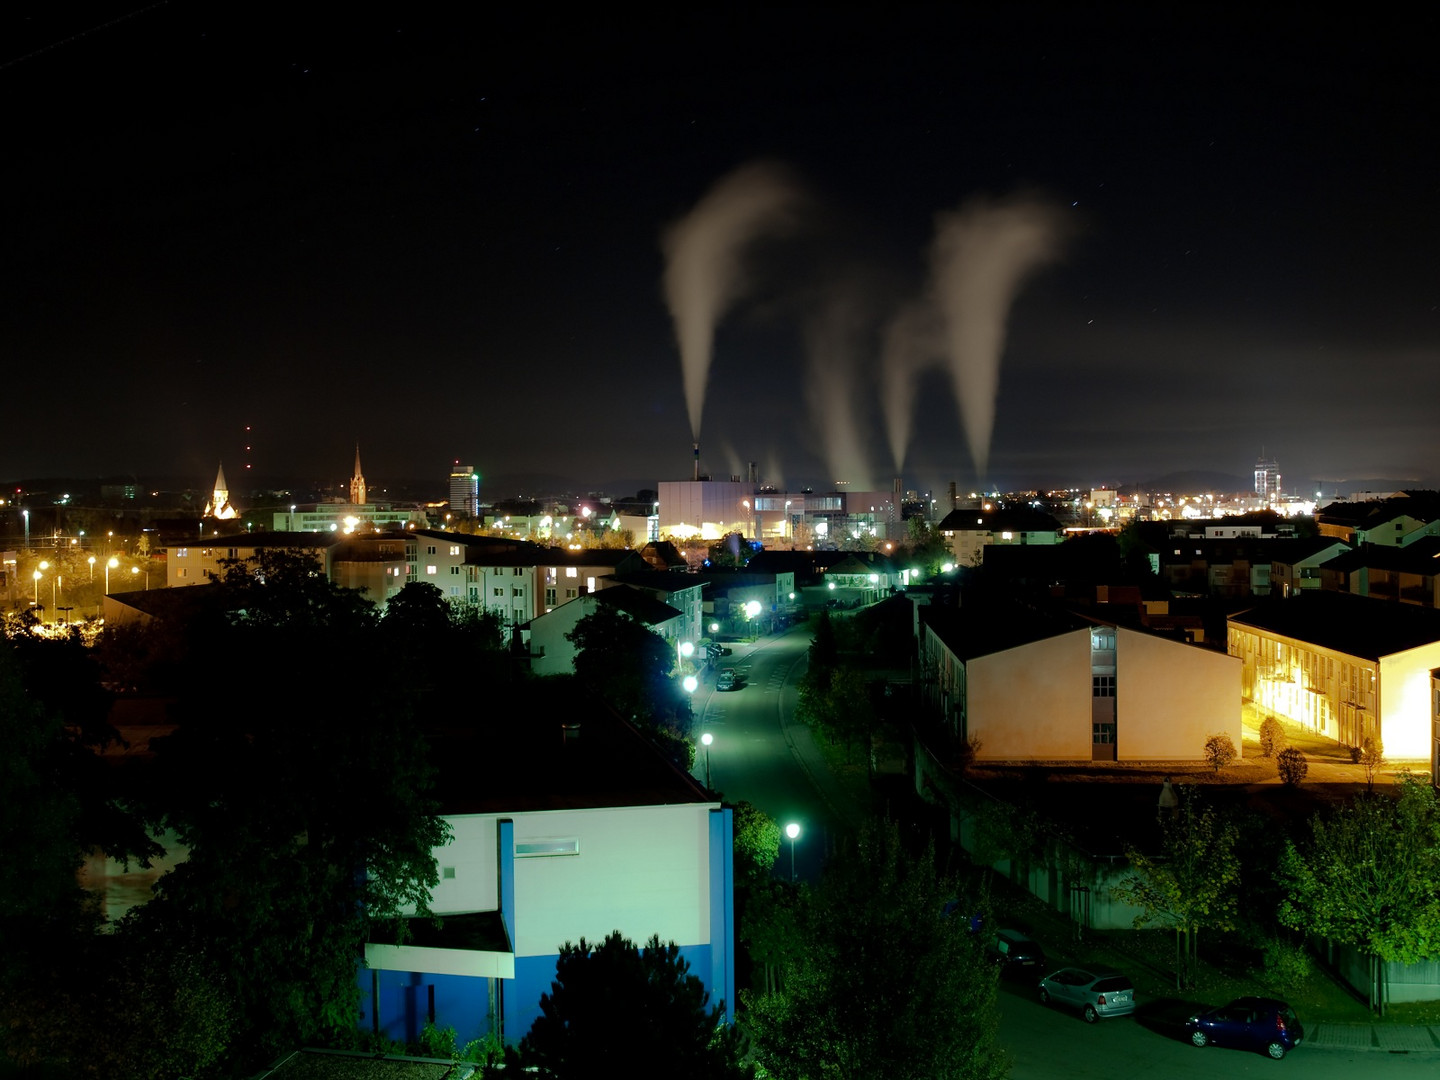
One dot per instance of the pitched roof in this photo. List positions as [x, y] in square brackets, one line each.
[1005, 519]
[983, 627]
[1355, 625]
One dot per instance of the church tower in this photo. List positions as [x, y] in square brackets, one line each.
[357, 482]
[219, 505]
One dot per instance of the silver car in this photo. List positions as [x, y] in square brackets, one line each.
[1094, 993]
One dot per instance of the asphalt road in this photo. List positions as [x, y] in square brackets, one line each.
[1046, 1042]
[750, 759]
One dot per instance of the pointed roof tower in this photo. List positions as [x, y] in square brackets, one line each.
[219, 504]
[357, 482]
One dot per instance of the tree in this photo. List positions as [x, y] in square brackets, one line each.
[618, 1010]
[630, 666]
[1191, 885]
[1219, 751]
[1365, 876]
[887, 983]
[926, 545]
[307, 816]
[756, 842]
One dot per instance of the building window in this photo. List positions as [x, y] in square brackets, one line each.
[431, 569]
[430, 550]
[455, 571]
[517, 592]
[517, 571]
[1102, 686]
[570, 594]
[454, 549]
[497, 592]
[182, 553]
[547, 848]
[182, 571]
[549, 597]
[1102, 733]
[571, 571]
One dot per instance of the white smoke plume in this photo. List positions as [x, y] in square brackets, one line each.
[705, 267]
[982, 255]
[834, 335]
[911, 346]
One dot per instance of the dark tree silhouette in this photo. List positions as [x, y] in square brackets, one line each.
[618, 1010]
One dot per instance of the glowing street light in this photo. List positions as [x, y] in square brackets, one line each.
[37, 587]
[793, 832]
[110, 564]
[691, 684]
[706, 740]
[91, 561]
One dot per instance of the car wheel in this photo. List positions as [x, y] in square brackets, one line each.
[1276, 1050]
[1199, 1038]
[1090, 1014]
[1044, 996]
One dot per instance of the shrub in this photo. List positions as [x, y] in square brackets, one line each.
[1372, 756]
[1219, 751]
[1354, 754]
[1272, 737]
[1286, 965]
[1293, 766]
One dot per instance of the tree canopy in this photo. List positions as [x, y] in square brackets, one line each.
[615, 1009]
[1192, 884]
[887, 983]
[1366, 874]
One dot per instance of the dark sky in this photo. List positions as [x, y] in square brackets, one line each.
[441, 236]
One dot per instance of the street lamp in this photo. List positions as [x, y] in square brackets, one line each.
[37, 587]
[706, 740]
[135, 570]
[793, 832]
[110, 564]
[91, 561]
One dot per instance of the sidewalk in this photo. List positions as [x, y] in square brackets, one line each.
[1388, 1038]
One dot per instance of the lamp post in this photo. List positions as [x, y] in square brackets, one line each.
[91, 561]
[135, 570]
[37, 588]
[706, 740]
[110, 564]
[793, 832]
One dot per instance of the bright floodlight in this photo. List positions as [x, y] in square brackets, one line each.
[691, 684]
[707, 739]
[792, 830]
[752, 608]
[687, 648]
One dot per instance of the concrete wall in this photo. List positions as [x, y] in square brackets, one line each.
[1405, 702]
[1170, 697]
[1032, 702]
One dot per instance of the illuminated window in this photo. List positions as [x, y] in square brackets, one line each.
[571, 571]
[432, 569]
[454, 549]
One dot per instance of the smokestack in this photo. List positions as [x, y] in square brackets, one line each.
[697, 462]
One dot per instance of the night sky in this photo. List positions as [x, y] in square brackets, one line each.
[444, 237]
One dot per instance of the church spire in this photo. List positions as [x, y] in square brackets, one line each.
[219, 504]
[357, 482]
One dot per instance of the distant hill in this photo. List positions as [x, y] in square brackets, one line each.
[1198, 480]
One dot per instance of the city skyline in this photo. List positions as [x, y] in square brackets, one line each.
[1188, 238]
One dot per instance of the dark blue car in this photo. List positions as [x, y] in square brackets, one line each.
[1249, 1023]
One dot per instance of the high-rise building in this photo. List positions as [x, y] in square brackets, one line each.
[464, 490]
[1267, 479]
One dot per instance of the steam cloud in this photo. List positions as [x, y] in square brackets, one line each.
[704, 262]
[833, 337]
[982, 255]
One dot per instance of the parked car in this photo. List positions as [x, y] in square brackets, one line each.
[727, 679]
[1094, 993]
[1249, 1023]
[1016, 953]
